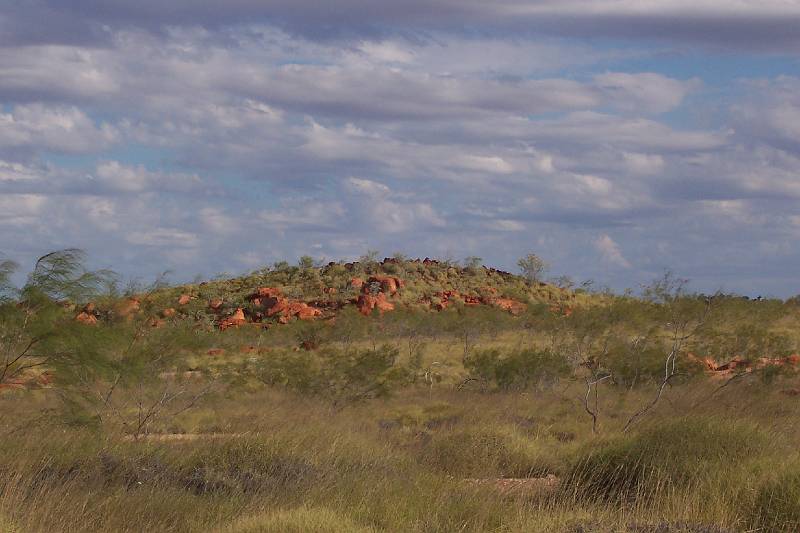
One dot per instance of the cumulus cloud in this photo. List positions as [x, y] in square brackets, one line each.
[610, 251]
[207, 139]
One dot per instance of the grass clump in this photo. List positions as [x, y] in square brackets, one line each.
[776, 506]
[297, 520]
[674, 454]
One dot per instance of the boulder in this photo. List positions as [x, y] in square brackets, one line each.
[512, 306]
[86, 318]
[169, 312]
[127, 308]
[356, 283]
[184, 299]
[367, 302]
[389, 284]
[235, 320]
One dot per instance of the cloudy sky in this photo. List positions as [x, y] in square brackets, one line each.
[614, 138]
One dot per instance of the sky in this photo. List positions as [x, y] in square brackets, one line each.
[613, 138]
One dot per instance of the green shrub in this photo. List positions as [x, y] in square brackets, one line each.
[517, 370]
[336, 373]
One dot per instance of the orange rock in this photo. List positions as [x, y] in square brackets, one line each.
[512, 306]
[235, 320]
[278, 307]
[89, 308]
[215, 304]
[288, 309]
[184, 299]
[266, 292]
[356, 283]
[128, 308]
[169, 312]
[367, 302]
[86, 318]
[389, 284]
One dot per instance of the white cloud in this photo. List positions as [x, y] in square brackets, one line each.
[610, 251]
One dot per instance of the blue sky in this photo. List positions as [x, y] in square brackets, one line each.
[614, 138]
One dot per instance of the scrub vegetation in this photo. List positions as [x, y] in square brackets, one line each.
[393, 395]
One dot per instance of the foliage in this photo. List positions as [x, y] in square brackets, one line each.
[517, 370]
[341, 375]
[532, 267]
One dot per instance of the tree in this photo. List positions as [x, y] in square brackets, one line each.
[473, 263]
[532, 267]
[34, 330]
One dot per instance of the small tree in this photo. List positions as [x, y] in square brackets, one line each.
[473, 263]
[532, 267]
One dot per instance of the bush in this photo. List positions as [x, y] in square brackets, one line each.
[673, 454]
[517, 370]
[337, 374]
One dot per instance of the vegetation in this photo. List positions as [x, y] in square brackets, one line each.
[481, 401]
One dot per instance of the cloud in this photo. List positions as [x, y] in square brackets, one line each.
[56, 128]
[768, 24]
[610, 251]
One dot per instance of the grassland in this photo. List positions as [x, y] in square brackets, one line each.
[468, 418]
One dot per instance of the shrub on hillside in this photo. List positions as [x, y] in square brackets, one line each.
[341, 375]
[517, 370]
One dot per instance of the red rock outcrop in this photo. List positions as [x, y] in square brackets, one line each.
[184, 299]
[127, 308]
[235, 320]
[287, 309]
[86, 318]
[389, 284]
[512, 306]
[356, 283]
[739, 365]
[367, 302]
[168, 312]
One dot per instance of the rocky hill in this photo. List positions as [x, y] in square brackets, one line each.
[279, 295]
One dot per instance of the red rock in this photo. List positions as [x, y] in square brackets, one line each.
[215, 304]
[89, 308]
[356, 283]
[266, 292]
[367, 302]
[512, 306]
[169, 312]
[127, 308]
[184, 299]
[86, 318]
[288, 309]
[389, 284]
[235, 320]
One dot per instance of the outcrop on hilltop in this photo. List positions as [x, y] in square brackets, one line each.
[88, 314]
[281, 296]
[235, 320]
[739, 366]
